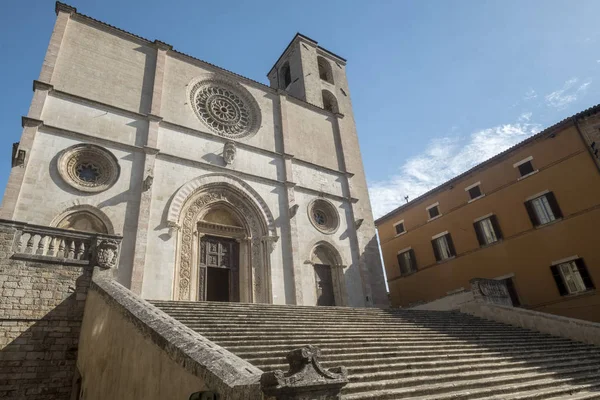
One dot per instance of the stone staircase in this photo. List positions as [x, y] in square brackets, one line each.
[403, 354]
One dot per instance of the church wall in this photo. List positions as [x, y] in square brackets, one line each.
[312, 135]
[104, 66]
[172, 174]
[308, 236]
[176, 108]
[44, 194]
[94, 120]
[312, 177]
[209, 150]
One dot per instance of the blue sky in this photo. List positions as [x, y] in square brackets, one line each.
[437, 86]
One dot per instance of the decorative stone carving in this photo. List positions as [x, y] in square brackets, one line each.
[107, 253]
[358, 223]
[491, 291]
[225, 107]
[88, 168]
[306, 378]
[191, 216]
[323, 215]
[229, 152]
[294, 210]
[270, 242]
[147, 183]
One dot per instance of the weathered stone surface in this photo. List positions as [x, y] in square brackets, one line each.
[306, 378]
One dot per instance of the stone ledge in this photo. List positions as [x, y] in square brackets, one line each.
[222, 371]
[570, 328]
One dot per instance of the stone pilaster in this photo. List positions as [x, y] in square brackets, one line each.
[63, 13]
[141, 239]
[293, 257]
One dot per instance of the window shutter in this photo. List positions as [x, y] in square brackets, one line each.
[413, 261]
[401, 264]
[479, 234]
[496, 226]
[585, 275]
[436, 252]
[451, 244]
[532, 215]
[554, 205]
[562, 289]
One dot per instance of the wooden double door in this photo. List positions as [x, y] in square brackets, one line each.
[324, 281]
[219, 269]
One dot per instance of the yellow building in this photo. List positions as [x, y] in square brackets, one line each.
[530, 216]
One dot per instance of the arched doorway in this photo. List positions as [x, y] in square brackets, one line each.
[329, 275]
[224, 241]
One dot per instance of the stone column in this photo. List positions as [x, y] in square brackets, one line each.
[150, 150]
[294, 254]
[306, 378]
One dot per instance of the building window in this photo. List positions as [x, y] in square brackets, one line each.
[88, 168]
[285, 75]
[329, 101]
[324, 216]
[525, 167]
[487, 230]
[443, 247]
[399, 226]
[543, 209]
[572, 277]
[474, 191]
[407, 262]
[325, 72]
[433, 211]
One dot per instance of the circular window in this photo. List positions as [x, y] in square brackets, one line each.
[88, 168]
[323, 216]
[225, 108]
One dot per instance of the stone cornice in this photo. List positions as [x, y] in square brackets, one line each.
[39, 85]
[162, 45]
[62, 7]
[26, 121]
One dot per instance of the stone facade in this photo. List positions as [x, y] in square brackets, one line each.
[171, 120]
[43, 298]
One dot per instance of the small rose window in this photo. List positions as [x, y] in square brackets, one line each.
[88, 168]
[324, 216]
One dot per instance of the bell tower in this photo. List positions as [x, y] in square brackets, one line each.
[310, 73]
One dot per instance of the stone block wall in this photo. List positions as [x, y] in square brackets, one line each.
[41, 309]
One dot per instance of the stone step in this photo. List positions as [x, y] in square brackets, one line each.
[470, 388]
[357, 354]
[450, 373]
[392, 345]
[458, 364]
[364, 363]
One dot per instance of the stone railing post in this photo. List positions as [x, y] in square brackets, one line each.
[306, 379]
[490, 291]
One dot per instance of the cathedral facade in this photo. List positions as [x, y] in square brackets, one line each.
[223, 188]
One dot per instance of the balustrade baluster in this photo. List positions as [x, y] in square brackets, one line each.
[80, 255]
[41, 245]
[29, 247]
[72, 248]
[51, 246]
[61, 248]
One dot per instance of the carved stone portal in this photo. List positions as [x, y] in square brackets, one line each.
[306, 378]
[255, 242]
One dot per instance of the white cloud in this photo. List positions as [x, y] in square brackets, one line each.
[561, 98]
[525, 117]
[444, 159]
[530, 95]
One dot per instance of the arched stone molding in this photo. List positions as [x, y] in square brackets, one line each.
[189, 188]
[326, 253]
[256, 236]
[69, 208]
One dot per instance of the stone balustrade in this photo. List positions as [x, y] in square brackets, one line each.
[47, 244]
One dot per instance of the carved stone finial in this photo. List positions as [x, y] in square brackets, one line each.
[147, 183]
[107, 253]
[305, 379]
[229, 151]
[173, 228]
